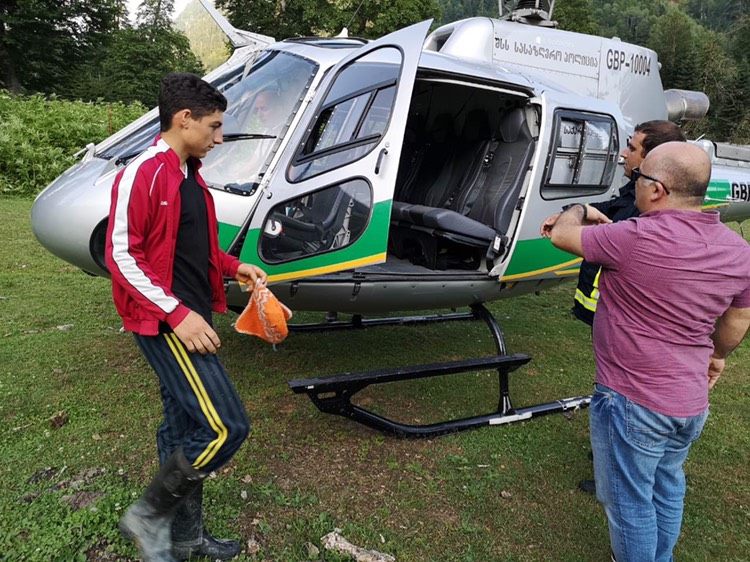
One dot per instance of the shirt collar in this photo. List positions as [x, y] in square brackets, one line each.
[708, 217]
[173, 159]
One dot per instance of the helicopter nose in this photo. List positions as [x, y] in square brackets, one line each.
[65, 215]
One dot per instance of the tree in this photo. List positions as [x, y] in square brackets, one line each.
[129, 67]
[672, 37]
[282, 18]
[739, 39]
[207, 40]
[380, 17]
[43, 41]
[286, 18]
[155, 15]
[717, 14]
[130, 64]
[576, 15]
[629, 20]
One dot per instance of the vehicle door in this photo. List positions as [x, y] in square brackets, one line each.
[327, 205]
[580, 142]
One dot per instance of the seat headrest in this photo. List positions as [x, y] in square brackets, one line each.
[512, 124]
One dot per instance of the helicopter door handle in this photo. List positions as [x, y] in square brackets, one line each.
[382, 154]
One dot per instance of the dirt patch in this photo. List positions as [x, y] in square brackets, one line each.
[81, 500]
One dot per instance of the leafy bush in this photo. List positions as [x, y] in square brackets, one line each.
[39, 136]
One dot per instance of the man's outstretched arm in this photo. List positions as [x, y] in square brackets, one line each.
[566, 231]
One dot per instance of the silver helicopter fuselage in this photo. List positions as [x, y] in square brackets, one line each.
[405, 173]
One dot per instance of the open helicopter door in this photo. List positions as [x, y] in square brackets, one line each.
[580, 142]
[327, 205]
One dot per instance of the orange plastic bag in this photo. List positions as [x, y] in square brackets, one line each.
[264, 316]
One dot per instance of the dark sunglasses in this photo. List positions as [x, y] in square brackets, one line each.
[636, 173]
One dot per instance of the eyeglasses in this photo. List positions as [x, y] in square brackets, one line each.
[636, 174]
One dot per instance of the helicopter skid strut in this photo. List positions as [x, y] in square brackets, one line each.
[333, 394]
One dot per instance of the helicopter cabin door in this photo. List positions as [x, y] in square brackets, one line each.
[327, 206]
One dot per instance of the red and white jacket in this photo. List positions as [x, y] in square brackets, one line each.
[141, 237]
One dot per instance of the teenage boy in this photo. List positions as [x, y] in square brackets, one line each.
[167, 278]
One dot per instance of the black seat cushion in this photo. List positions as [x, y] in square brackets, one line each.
[441, 220]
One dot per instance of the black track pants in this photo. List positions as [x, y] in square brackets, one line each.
[202, 411]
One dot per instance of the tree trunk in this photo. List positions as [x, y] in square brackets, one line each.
[7, 68]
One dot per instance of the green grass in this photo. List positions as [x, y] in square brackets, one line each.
[503, 493]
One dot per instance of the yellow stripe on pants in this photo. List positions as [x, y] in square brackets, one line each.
[207, 407]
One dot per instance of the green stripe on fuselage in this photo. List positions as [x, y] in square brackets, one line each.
[535, 254]
[718, 190]
[373, 241]
[227, 233]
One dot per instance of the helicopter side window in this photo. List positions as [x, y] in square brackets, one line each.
[584, 156]
[353, 116]
[322, 221]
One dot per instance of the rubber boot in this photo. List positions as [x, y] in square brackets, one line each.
[148, 522]
[189, 536]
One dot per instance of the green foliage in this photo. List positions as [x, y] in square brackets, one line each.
[43, 41]
[576, 15]
[155, 14]
[459, 9]
[630, 21]
[717, 14]
[377, 18]
[39, 136]
[128, 68]
[87, 50]
[282, 19]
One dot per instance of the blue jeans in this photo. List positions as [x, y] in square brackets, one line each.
[638, 458]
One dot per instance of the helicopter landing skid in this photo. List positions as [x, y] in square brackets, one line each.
[357, 321]
[332, 395]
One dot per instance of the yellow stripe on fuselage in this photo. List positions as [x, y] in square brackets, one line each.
[536, 272]
[369, 260]
[207, 407]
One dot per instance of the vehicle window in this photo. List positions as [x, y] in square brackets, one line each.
[353, 116]
[260, 106]
[584, 155]
[319, 222]
[259, 110]
[140, 139]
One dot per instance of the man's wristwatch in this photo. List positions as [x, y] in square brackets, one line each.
[585, 212]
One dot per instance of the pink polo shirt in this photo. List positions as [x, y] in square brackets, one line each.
[666, 277]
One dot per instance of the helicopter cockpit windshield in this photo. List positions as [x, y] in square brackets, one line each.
[260, 108]
[261, 104]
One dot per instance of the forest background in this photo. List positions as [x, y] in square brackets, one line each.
[74, 71]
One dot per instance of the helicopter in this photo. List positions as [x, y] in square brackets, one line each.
[407, 173]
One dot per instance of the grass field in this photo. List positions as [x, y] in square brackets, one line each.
[79, 408]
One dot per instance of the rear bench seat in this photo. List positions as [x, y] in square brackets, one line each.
[493, 195]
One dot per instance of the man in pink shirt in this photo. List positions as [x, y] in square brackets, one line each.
[675, 301]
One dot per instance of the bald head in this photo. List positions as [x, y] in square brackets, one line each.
[683, 167]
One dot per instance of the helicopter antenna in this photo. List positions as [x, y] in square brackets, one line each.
[530, 12]
[237, 37]
[354, 15]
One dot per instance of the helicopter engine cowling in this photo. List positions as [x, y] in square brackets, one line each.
[686, 105]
